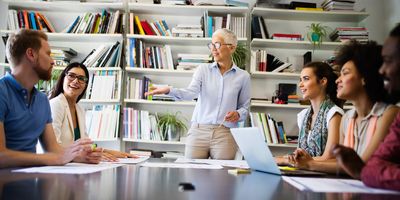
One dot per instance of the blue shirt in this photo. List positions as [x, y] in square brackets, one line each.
[24, 121]
[217, 94]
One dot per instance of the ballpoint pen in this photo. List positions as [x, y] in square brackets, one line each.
[221, 123]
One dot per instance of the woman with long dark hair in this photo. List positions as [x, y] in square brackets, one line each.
[318, 124]
[68, 116]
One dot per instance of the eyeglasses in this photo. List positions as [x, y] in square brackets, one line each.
[81, 79]
[216, 45]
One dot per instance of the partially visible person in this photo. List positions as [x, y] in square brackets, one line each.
[68, 117]
[382, 170]
[365, 126]
[25, 115]
[318, 124]
[223, 92]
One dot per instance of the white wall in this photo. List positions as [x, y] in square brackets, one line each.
[392, 14]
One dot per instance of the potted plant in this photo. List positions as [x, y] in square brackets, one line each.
[240, 55]
[171, 127]
[316, 33]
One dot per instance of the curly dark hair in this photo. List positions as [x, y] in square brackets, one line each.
[58, 88]
[367, 60]
[322, 70]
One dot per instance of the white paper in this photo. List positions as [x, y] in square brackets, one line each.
[333, 185]
[70, 168]
[130, 160]
[227, 163]
[181, 165]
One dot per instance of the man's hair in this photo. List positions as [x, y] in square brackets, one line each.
[228, 35]
[19, 42]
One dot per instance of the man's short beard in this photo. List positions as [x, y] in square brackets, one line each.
[42, 74]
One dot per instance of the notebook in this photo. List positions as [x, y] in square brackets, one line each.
[252, 144]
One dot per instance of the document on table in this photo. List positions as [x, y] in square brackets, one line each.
[70, 168]
[130, 160]
[181, 165]
[227, 163]
[333, 185]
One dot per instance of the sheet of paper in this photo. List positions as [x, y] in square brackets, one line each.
[333, 185]
[181, 165]
[70, 168]
[131, 160]
[227, 163]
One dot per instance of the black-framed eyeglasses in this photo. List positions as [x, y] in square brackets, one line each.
[216, 45]
[72, 76]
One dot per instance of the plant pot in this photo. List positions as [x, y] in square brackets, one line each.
[173, 134]
[315, 38]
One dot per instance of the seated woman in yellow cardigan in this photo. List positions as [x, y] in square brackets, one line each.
[68, 116]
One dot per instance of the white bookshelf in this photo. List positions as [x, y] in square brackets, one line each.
[300, 15]
[61, 14]
[289, 44]
[280, 75]
[264, 84]
[153, 141]
[175, 40]
[164, 103]
[164, 72]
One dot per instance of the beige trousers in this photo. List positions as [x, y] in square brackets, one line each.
[204, 141]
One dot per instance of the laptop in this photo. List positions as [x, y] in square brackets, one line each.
[252, 144]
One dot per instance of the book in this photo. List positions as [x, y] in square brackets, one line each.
[139, 25]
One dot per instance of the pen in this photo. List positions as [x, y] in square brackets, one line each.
[239, 171]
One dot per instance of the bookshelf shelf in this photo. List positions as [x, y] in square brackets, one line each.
[78, 37]
[169, 103]
[272, 105]
[7, 65]
[64, 5]
[287, 44]
[281, 75]
[93, 68]
[159, 71]
[175, 40]
[105, 140]
[283, 145]
[299, 15]
[182, 10]
[154, 142]
[105, 101]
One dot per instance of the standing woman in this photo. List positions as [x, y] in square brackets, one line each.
[68, 117]
[318, 124]
[223, 92]
[365, 126]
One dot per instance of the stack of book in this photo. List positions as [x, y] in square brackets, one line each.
[102, 122]
[192, 61]
[173, 2]
[286, 36]
[264, 62]
[153, 57]
[293, 99]
[259, 28]
[104, 56]
[348, 33]
[104, 22]
[329, 5]
[136, 89]
[187, 30]
[211, 23]
[102, 86]
[28, 20]
[62, 56]
[140, 124]
[273, 131]
[144, 27]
